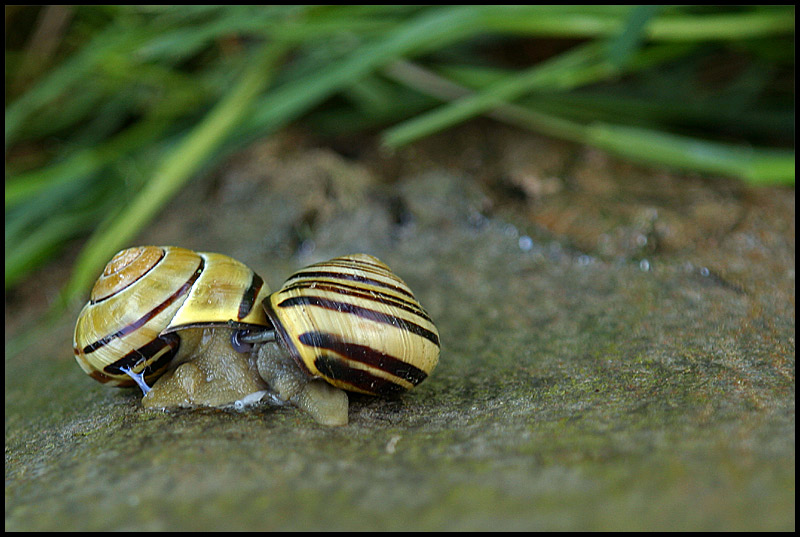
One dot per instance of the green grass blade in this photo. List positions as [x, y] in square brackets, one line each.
[60, 80]
[623, 47]
[429, 30]
[86, 162]
[756, 166]
[609, 21]
[753, 165]
[566, 71]
[174, 172]
[42, 243]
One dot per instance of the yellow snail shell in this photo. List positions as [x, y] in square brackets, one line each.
[357, 325]
[147, 295]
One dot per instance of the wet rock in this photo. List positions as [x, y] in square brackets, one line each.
[617, 354]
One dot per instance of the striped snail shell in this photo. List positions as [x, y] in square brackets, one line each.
[357, 325]
[147, 296]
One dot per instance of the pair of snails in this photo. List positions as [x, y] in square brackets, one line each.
[204, 330]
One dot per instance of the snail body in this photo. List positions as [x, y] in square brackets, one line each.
[206, 330]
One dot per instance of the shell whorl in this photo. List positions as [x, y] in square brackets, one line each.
[123, 270]
[356, 324]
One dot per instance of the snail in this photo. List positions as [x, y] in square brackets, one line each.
[154, 309]
[204, 330]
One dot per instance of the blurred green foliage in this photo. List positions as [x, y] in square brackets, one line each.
[110, 110]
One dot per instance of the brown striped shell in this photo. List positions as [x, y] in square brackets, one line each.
[147, 295]
[356, 324]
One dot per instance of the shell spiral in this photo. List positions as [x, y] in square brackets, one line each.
[146, 295]
[356, 324]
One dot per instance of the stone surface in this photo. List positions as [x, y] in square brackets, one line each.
[617, 354]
